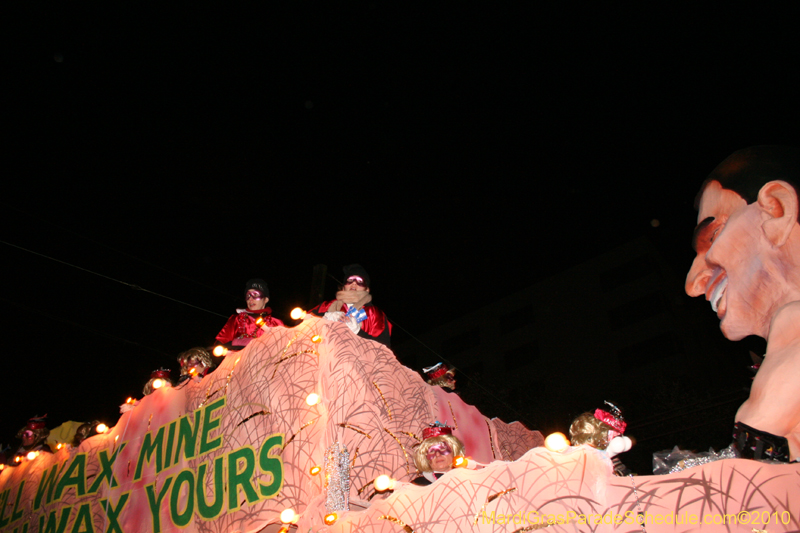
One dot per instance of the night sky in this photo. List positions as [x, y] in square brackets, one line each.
[459, 151]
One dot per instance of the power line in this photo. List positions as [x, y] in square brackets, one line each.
[475, 382]
[104, 245]
[676, 430]
[57, 318]
[683, 411]
[130, 285]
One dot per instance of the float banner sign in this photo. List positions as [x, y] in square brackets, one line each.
[161, 468]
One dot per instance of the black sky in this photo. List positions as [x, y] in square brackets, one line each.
[458, 151]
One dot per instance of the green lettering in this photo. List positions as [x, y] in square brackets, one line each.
[16, 514]
[209, 512]
[107, 469]
[149, 446]
[273, 465]
[51, 526]
[74, 476]
[46, 485]
[155, 502]
[170, 442]
[178, 518]
[3, 499]
[242, 479]
[187, 435]
[24, 528]
[210, 424]
[83, 520]
[112, 513]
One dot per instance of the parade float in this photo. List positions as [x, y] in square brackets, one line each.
[290, 434]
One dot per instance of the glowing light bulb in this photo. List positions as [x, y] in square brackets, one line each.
[459, 461]
[116, 438]
[316, 339]
[18, 459]
[101, 428]
[31, 456]
[192, 371]
[383, 482]
[288, 516]
[2, 467]
[260, 321]
[330, 519]
[158, 383]
[315, 470]
[59, 446]
[312, 399]
[297, 314]
[284, 529]
[556, 442]
[129, 400]
[219, 351]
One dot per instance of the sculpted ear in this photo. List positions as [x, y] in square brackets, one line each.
[778, 199]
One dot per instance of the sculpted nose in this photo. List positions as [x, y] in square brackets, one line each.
[698, 277]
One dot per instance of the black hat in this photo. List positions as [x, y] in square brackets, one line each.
[259, 285]
[356, 270]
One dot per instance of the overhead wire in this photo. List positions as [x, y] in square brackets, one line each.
[61, 319]
[61, 227]
[680, 429]
[695, 408]
[139, 288]
[130, 285]
[645, 422]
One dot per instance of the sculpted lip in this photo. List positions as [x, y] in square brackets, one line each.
[717, 293]
[717, 276]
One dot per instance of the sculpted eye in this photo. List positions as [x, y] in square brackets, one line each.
[715, 233]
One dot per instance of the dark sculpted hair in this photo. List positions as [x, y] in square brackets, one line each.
[746, 171]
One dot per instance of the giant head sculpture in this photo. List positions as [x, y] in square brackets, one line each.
[747, 266]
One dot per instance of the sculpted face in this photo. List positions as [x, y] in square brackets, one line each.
[731, 267]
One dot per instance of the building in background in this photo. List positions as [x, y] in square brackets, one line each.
[618, 326]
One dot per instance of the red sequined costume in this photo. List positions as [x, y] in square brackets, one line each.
[376, 327]
[241, 328]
